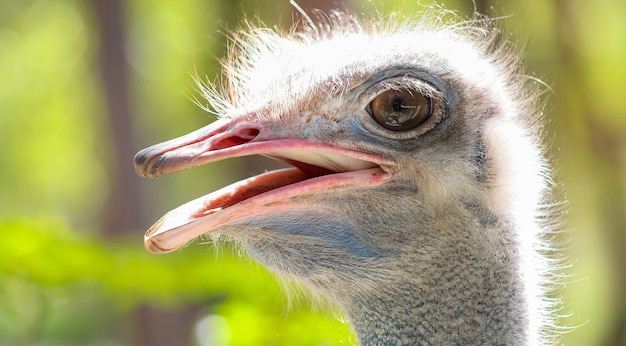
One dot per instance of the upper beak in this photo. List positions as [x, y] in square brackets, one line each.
[195, 148]
[234, 137]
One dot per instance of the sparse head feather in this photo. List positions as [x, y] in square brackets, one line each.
[269, 64]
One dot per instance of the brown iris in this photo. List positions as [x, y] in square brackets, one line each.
[400, 110]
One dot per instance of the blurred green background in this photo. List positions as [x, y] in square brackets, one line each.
[85, 84]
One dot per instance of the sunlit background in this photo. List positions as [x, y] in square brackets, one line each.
[85, 84]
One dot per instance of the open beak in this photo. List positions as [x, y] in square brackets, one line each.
[317, 167]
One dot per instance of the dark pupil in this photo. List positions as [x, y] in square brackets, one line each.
[397, 105]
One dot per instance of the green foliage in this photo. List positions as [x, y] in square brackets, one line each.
[44, 266]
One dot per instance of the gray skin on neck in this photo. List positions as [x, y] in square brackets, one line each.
[442, 287]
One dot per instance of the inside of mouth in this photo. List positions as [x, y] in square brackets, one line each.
[304, 165]
[256, 194]
[257, 185]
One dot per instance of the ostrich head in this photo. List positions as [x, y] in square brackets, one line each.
[417, 176]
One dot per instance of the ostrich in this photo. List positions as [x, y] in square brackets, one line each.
[415, 198]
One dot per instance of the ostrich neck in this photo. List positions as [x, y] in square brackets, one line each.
[465, 303]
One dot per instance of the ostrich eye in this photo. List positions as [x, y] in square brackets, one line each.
[400, 110]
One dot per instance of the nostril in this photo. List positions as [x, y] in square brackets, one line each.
[242, 137]
[249, 133]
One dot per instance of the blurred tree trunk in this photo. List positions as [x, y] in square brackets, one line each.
[122, 212]
[152, 326]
